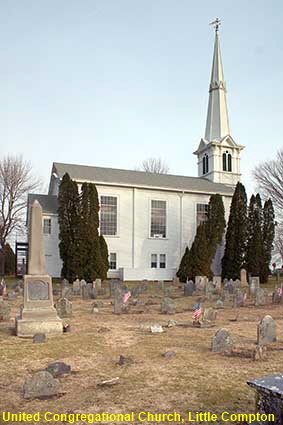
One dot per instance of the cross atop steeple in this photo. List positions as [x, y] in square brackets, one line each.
[216, 24]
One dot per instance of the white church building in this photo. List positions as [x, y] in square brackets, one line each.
[148, 219]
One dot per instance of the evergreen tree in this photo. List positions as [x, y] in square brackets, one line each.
[199, 253]
[182, 272]
[254, 254]
[236, 236]
[90, 251]
[268, 232]
[69, 220]
[104, 257]
[215, 224]
[10, 260]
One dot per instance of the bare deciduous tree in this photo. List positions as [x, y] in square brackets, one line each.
[155, 165]
[269, 177]
[16, 181]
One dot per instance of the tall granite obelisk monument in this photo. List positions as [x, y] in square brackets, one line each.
[38, 313]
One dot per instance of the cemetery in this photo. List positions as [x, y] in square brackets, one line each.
[138, 347]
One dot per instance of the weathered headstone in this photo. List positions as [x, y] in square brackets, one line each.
[118, 301]
[38, 313]
[168, 306]
[277, 296]
[201, 282]
[261, 296]
[40, 385]
[222, 341]
[240, 298]
[269, 398]
[64, 307]
[5, 310]
[209, 314]
[66, 290]
[266, 331]
[243, 275]
[98, 284]
[189, 288]
[217, 282]
[76, 287]
[254, 285]
[219, 304]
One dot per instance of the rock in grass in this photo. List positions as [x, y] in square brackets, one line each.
[39, 338]
[41, 385]
[58, 369]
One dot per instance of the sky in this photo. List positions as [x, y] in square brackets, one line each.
[112, 82]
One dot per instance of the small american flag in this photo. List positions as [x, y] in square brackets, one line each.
[198, 312]
[279, 292]
[126, 296]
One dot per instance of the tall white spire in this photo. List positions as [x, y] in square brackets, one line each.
[217, 122]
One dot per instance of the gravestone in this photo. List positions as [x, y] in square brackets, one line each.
[92, 290]
[219, 304]
[76, 287]
[156, 329]
[58, 369]
[217, 282]
[85, 292]
[66, 290]
[41, 385]
[266, 331]
[269, 398]
[39, 338]
[237, 284]
[209, 314]
[222, 342]
[168, 306]
[5, 310]
[82, 285]
[38, 314]
[240, 298]
[12, 296]
[64, 307]
[189, 288]
[201, 282]
[254, 285]
[277, 296]
[243, 275]
[229, 287]
[118, 301]
[98, 284]
[261, 296]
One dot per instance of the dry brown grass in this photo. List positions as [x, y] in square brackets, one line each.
[195, 380]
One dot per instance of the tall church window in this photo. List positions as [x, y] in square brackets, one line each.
[158, 219]
[47, 226]
[108, 215]
[224, 160]
[112, 261]
[205, 164]
[229, 162]
[202, 213]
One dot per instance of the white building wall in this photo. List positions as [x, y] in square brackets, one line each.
[133, 244]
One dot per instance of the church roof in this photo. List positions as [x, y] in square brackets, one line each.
[49, 203]
[139, 179]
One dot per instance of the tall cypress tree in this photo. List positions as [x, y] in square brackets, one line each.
[199, 253]
[268, 232]
[69, 219]
[90, 251]
[182, 272]
[254, 256]
[236, 236]
[215, 224]
[104, 257]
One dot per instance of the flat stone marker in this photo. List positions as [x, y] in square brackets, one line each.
[41, 385]
[39, 338]
[156, 329]
[168, 306]
[64, 307]
[222, 341]
[58, 369]
[266, 331]
[269, 397]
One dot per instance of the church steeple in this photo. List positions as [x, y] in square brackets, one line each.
[217, 123]
[218, 154]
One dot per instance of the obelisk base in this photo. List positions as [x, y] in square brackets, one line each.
[38, 314]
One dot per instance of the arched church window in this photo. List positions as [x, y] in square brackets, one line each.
[205, 164]
[229, 162]
[224, 161]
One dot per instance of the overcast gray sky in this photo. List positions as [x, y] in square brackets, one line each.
[112, 82]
